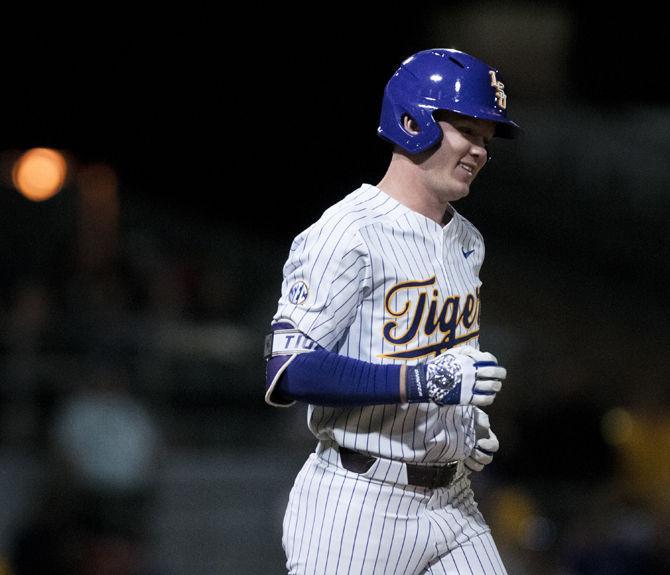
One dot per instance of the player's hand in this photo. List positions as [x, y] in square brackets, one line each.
[459, 376]
[486, 443]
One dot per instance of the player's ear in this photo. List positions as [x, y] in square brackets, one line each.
[410, 125]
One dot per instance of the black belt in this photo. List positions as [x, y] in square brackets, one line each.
[428, 476]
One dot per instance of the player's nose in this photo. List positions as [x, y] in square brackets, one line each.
[479, 152]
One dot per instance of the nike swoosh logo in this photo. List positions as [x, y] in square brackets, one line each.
[466, 255]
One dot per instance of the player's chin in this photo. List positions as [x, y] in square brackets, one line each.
[459, 191]
[459, 186]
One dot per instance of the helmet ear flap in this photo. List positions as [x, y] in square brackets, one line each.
[418, 134]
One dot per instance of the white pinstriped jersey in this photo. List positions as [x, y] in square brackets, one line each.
[376, 281]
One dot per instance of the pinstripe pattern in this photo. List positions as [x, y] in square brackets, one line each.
[385, 284]
[350, 259]
[338, 522]
[478, 556]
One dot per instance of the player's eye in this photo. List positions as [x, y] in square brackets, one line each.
[471, 134]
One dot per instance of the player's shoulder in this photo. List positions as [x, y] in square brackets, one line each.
[342, 221]
[357, 209]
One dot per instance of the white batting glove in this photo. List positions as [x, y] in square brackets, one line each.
[486, 443]
[459, 376]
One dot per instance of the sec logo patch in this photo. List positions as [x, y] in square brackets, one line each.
[298, 292]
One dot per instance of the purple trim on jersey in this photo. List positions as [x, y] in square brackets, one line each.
[272, 368]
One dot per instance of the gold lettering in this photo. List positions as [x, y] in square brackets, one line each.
[501, 97]
[418, 312]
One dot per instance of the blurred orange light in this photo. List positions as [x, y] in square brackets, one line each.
[39, 173]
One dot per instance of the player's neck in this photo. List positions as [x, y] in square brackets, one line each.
[405, 185]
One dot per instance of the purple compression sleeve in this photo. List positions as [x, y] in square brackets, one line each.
[327, 378]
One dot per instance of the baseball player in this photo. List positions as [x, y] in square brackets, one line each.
[377, 329]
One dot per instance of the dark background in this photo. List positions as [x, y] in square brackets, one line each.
[169, 99]
[230, 134]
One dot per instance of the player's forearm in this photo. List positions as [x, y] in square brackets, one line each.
[464, 376]
[327, 378]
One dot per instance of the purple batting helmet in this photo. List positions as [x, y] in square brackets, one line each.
[441, 79]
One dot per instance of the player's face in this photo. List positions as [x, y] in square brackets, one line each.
[460, 156]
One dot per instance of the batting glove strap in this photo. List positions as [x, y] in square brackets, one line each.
[417, 388]
[439, 382]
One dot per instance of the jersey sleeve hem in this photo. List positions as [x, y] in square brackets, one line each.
[274, 402]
